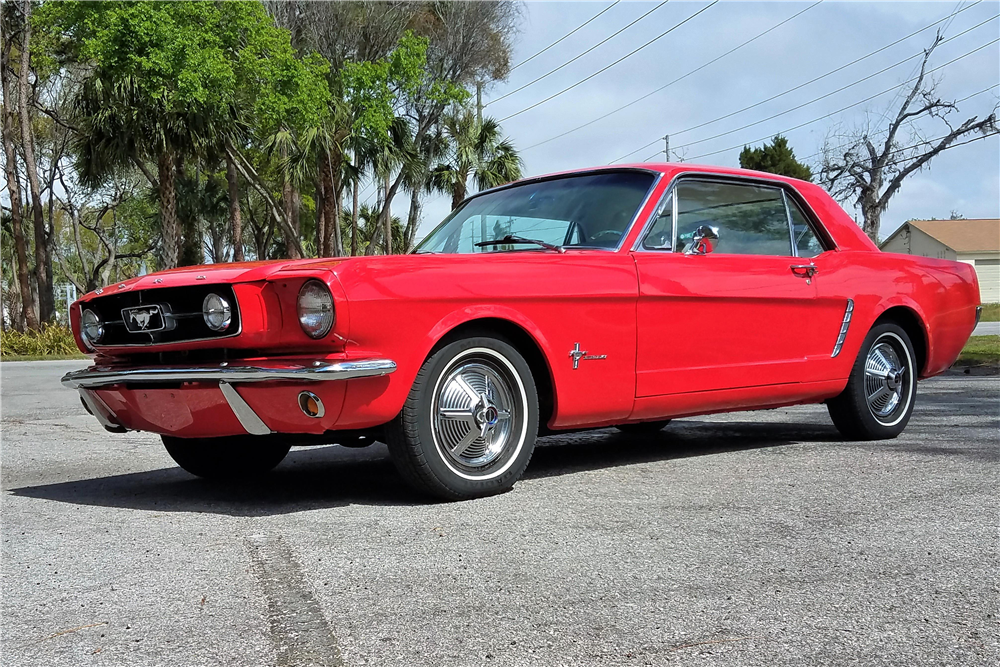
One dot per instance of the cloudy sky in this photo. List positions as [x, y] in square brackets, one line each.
[818, 40]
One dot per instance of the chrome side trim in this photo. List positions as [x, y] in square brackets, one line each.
[638, 211]
[844, 327]
[637, 245]
[979, 314]
[253, 424]
[791, 226]
[100, 409]
[97, 376]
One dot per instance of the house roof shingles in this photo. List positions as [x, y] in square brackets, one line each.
[981, 235]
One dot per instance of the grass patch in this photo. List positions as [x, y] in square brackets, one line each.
[37, 357]
[991, 312]
[49, 342]
[980, 351]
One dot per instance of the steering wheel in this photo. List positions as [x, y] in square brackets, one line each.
[611, 235]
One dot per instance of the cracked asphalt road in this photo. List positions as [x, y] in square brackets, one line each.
[744, 539]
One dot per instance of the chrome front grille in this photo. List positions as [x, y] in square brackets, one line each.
[160, 316]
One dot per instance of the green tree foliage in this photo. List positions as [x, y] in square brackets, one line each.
[775, 158]
[177, 132]
[476, 150]
[172, 79]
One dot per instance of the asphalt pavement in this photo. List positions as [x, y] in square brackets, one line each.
[987, 329]
[755, 538]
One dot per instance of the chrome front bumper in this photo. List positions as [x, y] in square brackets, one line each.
[226, 375]
[97, 376]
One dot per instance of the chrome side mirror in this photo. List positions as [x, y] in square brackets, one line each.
[703, 241]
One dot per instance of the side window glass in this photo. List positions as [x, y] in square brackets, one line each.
[802, 234]
[751, 219]
[661, 233]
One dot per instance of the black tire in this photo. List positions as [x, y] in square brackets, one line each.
[225, 458]
[866, 409]
[440, 412]
[643, 428]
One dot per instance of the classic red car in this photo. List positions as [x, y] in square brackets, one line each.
[617, 296]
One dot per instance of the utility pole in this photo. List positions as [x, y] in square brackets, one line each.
[666, 148]
[479, 103]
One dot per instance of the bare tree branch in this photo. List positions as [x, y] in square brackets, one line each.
[870, 172]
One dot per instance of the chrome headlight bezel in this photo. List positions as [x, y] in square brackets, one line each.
[91, 327]
[217, 312]
[315, 310]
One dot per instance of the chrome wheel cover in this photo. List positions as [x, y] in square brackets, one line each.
[477, 414]
[887, 385]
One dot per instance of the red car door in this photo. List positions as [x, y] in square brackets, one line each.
[743, 314]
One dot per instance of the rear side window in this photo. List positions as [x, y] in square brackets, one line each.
[751, 219]
[806, 243]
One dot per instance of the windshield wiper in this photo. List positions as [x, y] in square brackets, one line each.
[520, 240]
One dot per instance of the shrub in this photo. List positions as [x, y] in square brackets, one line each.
[51, 340]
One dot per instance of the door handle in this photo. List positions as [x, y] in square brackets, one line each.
[804, 270]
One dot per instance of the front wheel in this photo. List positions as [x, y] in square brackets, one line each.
[878, 400]
[468, 427]
[225, 458]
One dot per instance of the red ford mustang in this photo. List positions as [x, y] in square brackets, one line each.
[620, 296]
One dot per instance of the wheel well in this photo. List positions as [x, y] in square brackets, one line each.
[911, 324]
[524, 343]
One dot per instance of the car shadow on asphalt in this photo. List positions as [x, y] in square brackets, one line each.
[332, 476]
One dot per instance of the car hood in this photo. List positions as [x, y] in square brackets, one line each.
[238, 272]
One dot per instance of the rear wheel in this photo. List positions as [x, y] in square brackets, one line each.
[643, 428]
[468, 427]
[225, 458]
[878, 400]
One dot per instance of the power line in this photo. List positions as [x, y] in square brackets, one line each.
[833, 92]
[842, 146]
[591, 19]
[607, 67]
[944, 136]
[816, 99]
[832, 113]
[811, 81]
[916, 68]
[571, 60]
[886, 131]
[697, 69]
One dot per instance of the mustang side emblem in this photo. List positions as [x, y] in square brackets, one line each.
[577, 354]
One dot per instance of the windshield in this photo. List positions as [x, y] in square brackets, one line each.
[586, 211]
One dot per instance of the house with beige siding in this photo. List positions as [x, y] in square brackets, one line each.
[975, 242]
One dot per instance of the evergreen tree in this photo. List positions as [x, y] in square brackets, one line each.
[776, 158]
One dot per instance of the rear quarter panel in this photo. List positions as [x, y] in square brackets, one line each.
[941, 293]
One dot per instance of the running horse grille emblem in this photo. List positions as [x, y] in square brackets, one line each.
[140, 317]
[143, 319]
[577, 354]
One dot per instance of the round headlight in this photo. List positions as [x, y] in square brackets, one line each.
[315, 307]
[91, 327]
[217, 312]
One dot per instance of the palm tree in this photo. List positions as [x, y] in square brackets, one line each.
[119, 129]
[418, 175]
[371, 229]
[476, 150]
